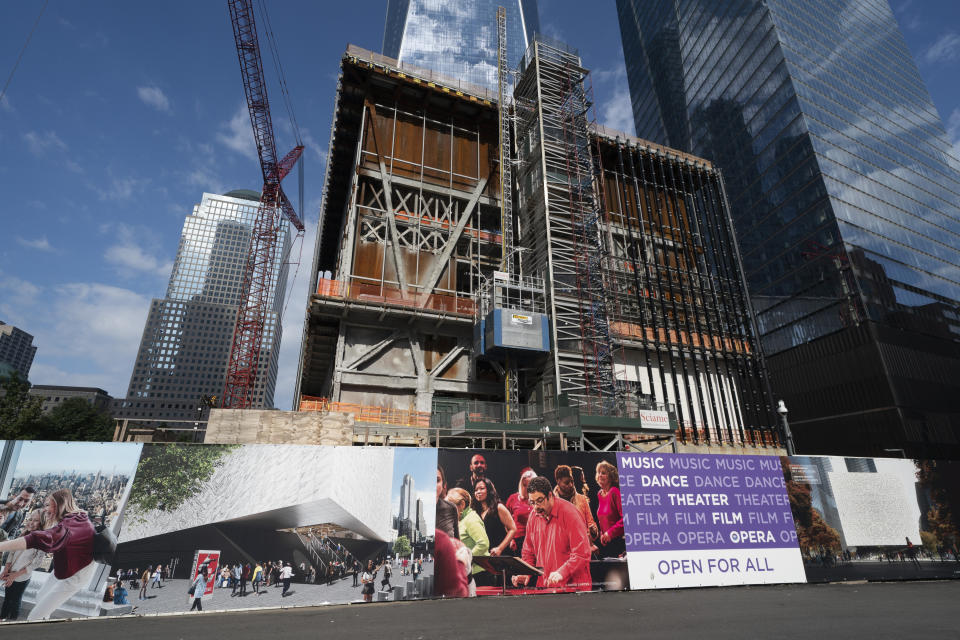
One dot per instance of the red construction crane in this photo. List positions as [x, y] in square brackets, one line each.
[265, 238]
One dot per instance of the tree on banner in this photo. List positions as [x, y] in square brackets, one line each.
[401, 546]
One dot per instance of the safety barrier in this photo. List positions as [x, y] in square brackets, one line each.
[368, 413]
[657, 520]
[379, 293]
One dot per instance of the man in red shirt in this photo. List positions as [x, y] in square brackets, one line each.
[556, 540]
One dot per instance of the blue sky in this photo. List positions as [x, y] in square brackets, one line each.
[421, 464]
[108, 457]
[121, 114]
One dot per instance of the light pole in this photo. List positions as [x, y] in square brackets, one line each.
[787, 435]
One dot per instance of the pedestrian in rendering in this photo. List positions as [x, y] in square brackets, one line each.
[197, 589]
[156, 579]
[144, 581]
[286, 574]
[387, 573]
[367, 579]
[257, 578]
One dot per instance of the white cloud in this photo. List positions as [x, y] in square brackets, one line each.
[945, 49]
[16, 296]
[43, 372]
[237, 135]
[5, 104]
[130, 258]
[206, 179]
[41, 244]
[552, 30]
[311, 144]
[613, 95]
[133, 257]
[96, 328]
[122, 188]
[40, 143]
[87, 334]
[617, 113]
[154, 97]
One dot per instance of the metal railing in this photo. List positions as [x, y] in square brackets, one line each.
[381, 293]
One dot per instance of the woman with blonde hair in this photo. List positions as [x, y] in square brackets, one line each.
[520, 509]
[71, 543]
[473, 534]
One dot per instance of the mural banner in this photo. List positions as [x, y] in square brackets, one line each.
[229, 527]
[707, 520]
[52, 489]
[296, 525]
[875, 518]
[214, 527]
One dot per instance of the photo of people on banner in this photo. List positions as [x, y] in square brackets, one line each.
[875, 518]
[62, 508]
[519, 522]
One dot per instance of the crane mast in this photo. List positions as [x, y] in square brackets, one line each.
[265, 238]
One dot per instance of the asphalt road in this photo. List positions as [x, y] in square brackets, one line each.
[905, 610]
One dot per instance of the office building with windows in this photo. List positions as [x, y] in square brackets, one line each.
[845, 197]
[185, 349]
[55, 395]
[16, 349]
[458, 39]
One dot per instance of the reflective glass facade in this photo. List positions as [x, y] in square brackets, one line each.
[16, 349]
[186, 342]
[458, 39]
[844, 192]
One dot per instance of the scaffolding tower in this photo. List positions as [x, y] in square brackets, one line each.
[561, 207]
[511, 373]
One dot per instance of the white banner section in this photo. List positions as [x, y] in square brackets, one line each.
[714, 568]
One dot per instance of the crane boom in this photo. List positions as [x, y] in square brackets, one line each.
[265, 240]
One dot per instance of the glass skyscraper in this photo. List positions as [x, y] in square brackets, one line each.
[16, 350]
[845, 197]
[186, 341]
[458, 39]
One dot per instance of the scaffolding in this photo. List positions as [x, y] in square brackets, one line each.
[609, 263]
[511, 374]
[561, 207]
[678, 296]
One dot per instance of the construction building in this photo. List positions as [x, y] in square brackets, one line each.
[587, 286]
